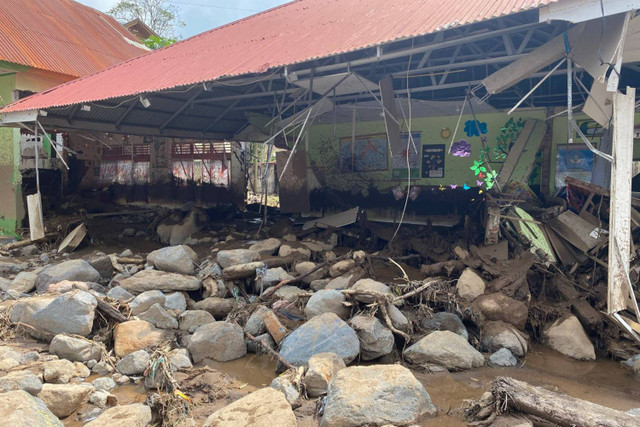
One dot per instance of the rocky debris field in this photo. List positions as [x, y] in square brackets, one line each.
[75, 328]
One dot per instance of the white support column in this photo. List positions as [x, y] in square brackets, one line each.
[620, 221]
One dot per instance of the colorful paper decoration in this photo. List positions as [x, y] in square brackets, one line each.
[461, 148]
[473, 128]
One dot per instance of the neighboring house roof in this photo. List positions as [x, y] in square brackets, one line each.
[296, 32]
[63, 36]
[140, 29]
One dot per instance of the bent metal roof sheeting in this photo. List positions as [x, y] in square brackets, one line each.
[62, 36]
[296, 32]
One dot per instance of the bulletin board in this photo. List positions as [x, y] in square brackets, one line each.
[399, 158]
[365, 153]
[574, 160]
[433, 156]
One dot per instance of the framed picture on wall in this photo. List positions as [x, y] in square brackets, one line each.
[433, 156]
[400, 157]
[366, 153]
[575, 161]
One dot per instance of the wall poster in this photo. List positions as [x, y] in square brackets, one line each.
[574, 160]
[399, 157]
[433, 161]
[366, 154]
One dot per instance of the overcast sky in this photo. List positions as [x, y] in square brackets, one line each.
[203, 15]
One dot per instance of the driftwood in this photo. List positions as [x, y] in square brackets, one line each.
[271, 351]
[109, 311]
[322, 265]
[130, 260]
[27, 242]
[556, 408]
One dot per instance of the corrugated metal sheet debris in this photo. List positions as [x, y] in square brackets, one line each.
[295, 32]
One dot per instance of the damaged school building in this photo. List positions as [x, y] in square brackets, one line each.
[461, 166]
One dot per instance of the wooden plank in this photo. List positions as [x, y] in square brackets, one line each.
[577, 231]
[620, 207]
[564, 254]
[522, 155]
[534, 233]
[36, 222]
[338, 220]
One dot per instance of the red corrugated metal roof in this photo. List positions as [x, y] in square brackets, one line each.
[62, 36]
[295, 32]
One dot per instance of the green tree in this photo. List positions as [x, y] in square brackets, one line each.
[154, 42]
[159, 15]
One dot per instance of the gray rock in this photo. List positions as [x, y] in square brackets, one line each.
[220, 341]
[29, 250]
[126, 253]
[634, 411]
[23, 310]
[326, 333]
[470, 285]
[191, 320]
[133, 363]
[100, 398]
[179, 359]
[567, 336]
[339, 283]
[376, 395]
[321, 370]
[12, 266]
[503, 357]
[254, 347]
[266, 247]
[294, 251]
[255, 323]
[102, 368]
[244, 270]
[327, 301]
[70, 313]
[306, 267]
[175, 303]
[104, 383]
[498, 306]
[74, 349]
[497, 335]
[274, 276]
[132, 415]
[102, 263]
[318, 285]
[21, 380]
[9, 358]
[20, 409]
[445, 321]
[147, 280]
[227, 258]
[341, 267]
[5, 284]
[159, 317]
[375, 339]
[398, 319]
[370, 285]
[119, 293]
[174, 259]
[265, 407]
[446, 349]
[29, 357]
[73, 270]
[284, 385]
[59, 371]
[145, 300]
[289, 293]
[24, 282]
[218, 307]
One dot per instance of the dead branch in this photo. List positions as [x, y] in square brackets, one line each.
[271, 351]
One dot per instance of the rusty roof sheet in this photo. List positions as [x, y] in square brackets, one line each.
[295, 32]
[62, 36]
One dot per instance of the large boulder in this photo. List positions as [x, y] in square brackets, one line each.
[567, 336]
[445, 348]
[498, 306]
[266, 247]
[470, 285]
[174, 259]
[191, 320]
[70, 313]
[175, 303]
[74, 349]
[24, 282]
[327, 301]
[321, 369]
[63, 399]
[444, 321]
[20, 409]
[376, 340]
[136, 335]
[227, 258]
[148, 280]
[376, 395]
[73, 270]
[220, 341]
[21, 380]
[497, 335]
[132, 415]
[22, 311]
[326, 333]
[218, 307]
[145, 300]
[265, 407]
[370, 285]
[102, 263]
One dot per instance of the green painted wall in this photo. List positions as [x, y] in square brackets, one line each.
[324, 150]
[11, 205]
